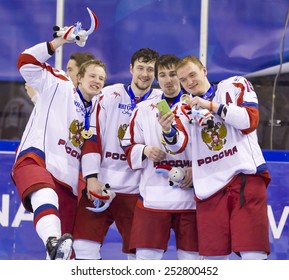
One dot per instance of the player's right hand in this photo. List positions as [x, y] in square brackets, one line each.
[94, 186]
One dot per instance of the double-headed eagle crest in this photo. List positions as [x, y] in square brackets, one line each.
[215, 137]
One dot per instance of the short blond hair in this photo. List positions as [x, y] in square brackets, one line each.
[189, 58]
[86, 64]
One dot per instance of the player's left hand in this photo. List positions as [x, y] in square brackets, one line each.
[188, 179]
[154, 153]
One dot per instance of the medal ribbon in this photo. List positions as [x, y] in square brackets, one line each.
[87, 106]
[209, 95]
[132, 96]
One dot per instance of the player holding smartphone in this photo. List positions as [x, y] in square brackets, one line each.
[161, 207]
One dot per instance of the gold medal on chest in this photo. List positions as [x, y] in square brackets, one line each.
[86, 134]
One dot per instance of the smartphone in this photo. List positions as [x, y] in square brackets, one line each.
[163, 106]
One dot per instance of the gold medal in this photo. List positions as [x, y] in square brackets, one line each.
[185, 98]
[86, 134]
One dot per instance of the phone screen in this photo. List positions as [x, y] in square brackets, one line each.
[163, 106]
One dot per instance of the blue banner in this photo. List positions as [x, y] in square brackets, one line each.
[18, 239]
[243, 36]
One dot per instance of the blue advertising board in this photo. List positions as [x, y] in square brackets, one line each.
[18, 239]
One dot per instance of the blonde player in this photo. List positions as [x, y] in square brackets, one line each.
[229, 171]
[47, 166]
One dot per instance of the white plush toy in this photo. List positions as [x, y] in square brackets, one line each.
[175, 174]
[75, 33]
[202, 116]
[101, 202]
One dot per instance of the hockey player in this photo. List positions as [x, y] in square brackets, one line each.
[46, 170]
[72, 68]
[161, 206]
[229, 171]
[104, 162]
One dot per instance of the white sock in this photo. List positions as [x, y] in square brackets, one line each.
[149, 254]
[188, 255]
[131, 257]
[213, 258]
[48, 225]
[86, 249]
[253, 255]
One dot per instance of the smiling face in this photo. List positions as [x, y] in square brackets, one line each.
[91, 79]
[193, 78]
[193, 75]
[142, 76]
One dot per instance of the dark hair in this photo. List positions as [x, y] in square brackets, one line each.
[165, 61]
[146, 54]
[81, 57]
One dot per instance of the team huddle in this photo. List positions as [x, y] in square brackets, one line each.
[94, 154]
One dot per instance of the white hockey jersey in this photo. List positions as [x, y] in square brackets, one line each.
[231, 146]
[103, 154]
[52, 136]
[144, 129]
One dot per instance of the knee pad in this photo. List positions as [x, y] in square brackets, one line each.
[213, 258]
[86, 249]
[254, 255]
[149, 254]
[188, 255]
